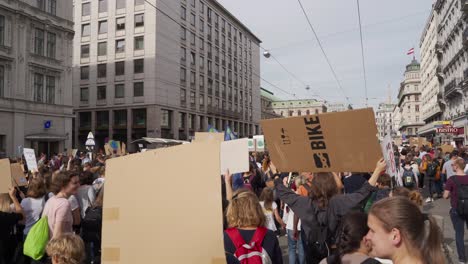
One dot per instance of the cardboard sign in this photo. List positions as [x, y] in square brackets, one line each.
[419, 142]
[17, 175]
[5, 175]
[126, 217]
[259, 143]
[235, 156]
[251, 145]
[30, 157]
[107, 149]
[74, 152]
[389, 156]
[447, 148]
[398, 141]
[208, 136]
[329, 142]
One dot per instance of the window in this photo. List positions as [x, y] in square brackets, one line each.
[192, 98]
[201, 61]
[84, 72]
[119, 90]
[210, 100]
[138, 66]
[201, 100]
[202, 7]
[192, 38]
[85, 51]
[202, 25]
[40, 4]
[183, 33]
[120, 118]
[183, 96]
[2, 81]
[85, 30]
[102, 119]
[120, 45]
[416, 97]
[138, 89]
[119, 68]
[166, 118]
[316, 111]
[102, 6]
[2, 30]
[192, 2]
[50, 89]
[209, 15]
[139, 118]
[192, 79]
[86, 9]
[101, 92]
[38, 87]
[139, 2]
[183, 13]
[139, 43]
[120, 4]
[120, 23]
[52, 7]
[416, 108]
[192, 19]
[84, 94]
[181, 120]
[202, 44]
[51, 45]
[139, 20]
[192, 58]
[102, 28]
[39, 42]
[183, 54]
[183, 75]
[102, 70]
[102, 48]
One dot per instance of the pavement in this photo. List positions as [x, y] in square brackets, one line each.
[439, 208]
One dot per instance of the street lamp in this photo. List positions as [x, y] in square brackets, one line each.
[266, 54]
[90, 143]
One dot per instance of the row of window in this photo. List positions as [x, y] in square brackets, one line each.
[119, 91]
[103, 6]
[138, 68]
[138, 44]
[119, 116]
[119, 25]
[49, 6]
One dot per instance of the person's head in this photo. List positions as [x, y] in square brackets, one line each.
[323, 188]
[428, 157]
[5, 202]
[267, 198]
[458, 166]
[454, 154]
[244, 210]
[102, 172]
[384, 181]
[270, 183]
[308, 176]
[87, 166]
[65, 182]
[404, 152]
[413, 195]
[86, 178]
[37, 188]
[66, 249]
[398, 229]
[300, 180]
[408, 160]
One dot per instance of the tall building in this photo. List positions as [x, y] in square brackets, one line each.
[431, 77]
[267, 98]
[287, 108]
[384, 119]
[452, 50]
[409, 101]
[336, 107]
[166, 70]
[36, 108]
[396, 122]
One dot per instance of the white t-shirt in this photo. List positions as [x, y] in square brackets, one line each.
[32, 208]
[448, 168]
[288, 218]
[269, 214]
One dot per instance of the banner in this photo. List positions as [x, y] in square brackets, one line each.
[30, 157]
[389, 156]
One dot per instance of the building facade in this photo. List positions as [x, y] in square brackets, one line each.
[409, 101]
[396, 122]
[384, 119]
[36, 43]
[453, 57]
[336, 107]
[289, 108]
[267, 98]
[162, 71]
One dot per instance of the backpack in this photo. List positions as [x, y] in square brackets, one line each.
[91, 224]
[408, 178]
[253, 252]
[316, 246]
[431, 169]
[37, 239]
[462, 195]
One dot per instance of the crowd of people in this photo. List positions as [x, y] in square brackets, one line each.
[328, 218]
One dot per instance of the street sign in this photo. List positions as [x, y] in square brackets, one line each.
[47, 124]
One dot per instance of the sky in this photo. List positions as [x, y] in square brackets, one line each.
[390, 29]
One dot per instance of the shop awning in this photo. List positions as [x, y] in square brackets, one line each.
[45, 137]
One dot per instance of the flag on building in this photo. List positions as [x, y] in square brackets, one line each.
[229, 134]
[411, 51]
[212, 129]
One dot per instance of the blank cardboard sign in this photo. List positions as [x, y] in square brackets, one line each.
[17, 175]
[164, 206]
[330, 142]
[208, 136]
[5, 175]
[235, 156]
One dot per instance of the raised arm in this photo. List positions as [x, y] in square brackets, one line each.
[228, 184]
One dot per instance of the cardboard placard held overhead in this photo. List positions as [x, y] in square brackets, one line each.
[259, 143]
[5, 175]
[447, 148]
[235, 156]
[17, 175]
[330, 142]
[30, 157]
[398, 141]
[389, 156]
[127, 217]
[208, 136]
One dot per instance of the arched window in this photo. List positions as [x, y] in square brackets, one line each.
[299, 113]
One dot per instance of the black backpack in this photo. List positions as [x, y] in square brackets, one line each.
[316, 247]
[462, 195]
[91, 225]
[431, 170]
[408, 178]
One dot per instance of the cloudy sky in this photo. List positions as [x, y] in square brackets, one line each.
[390, 29]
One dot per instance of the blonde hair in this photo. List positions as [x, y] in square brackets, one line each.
[245, 211]
[5, 202]
[66, 249]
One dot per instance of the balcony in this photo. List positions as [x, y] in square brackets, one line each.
[439, 49]
[440, 74]
[452, 89]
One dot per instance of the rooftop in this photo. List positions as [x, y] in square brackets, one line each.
[268, 95]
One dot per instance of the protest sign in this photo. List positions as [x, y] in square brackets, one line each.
[127, 217]
[208, 136]
[398, 141]
[107, 149]
[389, 156]
[259, 143]
[5, 175]
[447, 148]
[74, 152]
[251, 145]
[30, 158]
[341, 141]
[17, 175]
[235, 156]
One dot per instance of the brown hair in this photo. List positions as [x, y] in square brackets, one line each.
[66, 249]
[323, 188]
[419, 231]
[61, 179]
[37, 188]
[384, 180]
[244, 210]
[267, 198]
[99, 199]
[428, 158]
[5, 202]
[414, 196]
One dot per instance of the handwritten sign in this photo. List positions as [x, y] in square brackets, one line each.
[387, 150]
[30, 158]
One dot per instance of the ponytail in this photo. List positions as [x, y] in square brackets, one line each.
[416, 197]
[431, 244]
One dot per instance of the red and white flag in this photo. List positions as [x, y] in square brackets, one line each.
[411, 51]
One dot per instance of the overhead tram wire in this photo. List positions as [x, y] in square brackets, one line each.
[362, 53]
[323, 52]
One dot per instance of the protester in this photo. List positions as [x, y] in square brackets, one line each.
[408, 176]
[8, 219]
[34, 204]
[413, 195]
[430, 171]
[353, 181]
[384, 189]
[352, 246]
[91, 229]
[86, 193]
[246, 222]
[66, 249]
[447, 170]
[321, 212]
[270, 209]
[457, 190]
[293, 227]
[399, 231]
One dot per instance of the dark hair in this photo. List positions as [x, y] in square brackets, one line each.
[353, 229]
[86, 178]
[384, 180]
[36, 188]
[454, 154]
[323, 188]
[61, 180]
